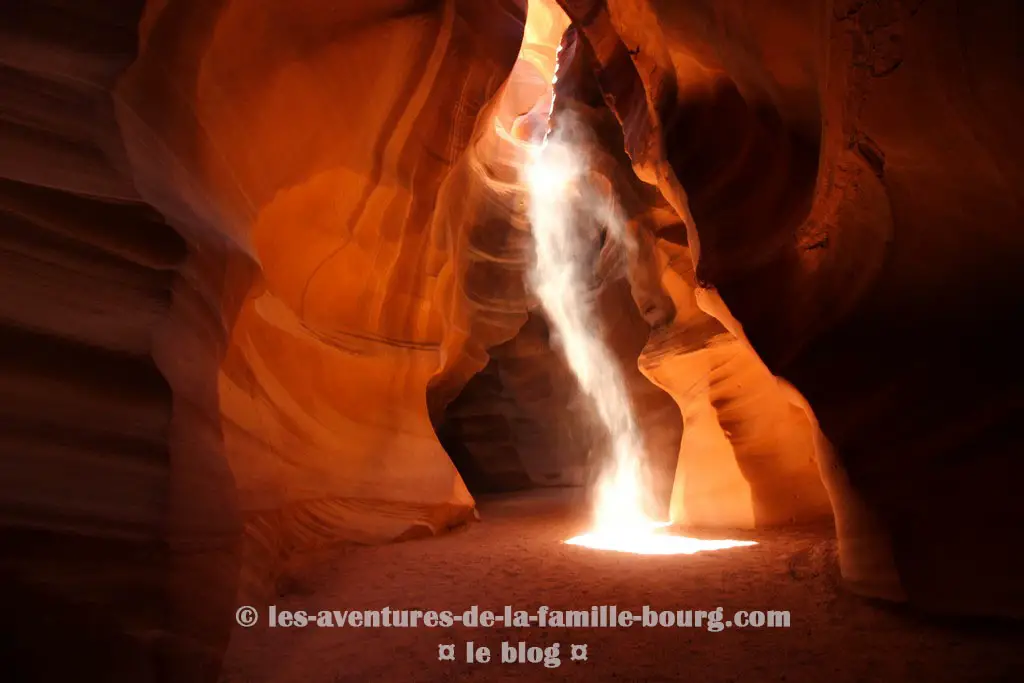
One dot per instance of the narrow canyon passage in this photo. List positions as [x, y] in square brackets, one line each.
[299, 308]
[517, 558]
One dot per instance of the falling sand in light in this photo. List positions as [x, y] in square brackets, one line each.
[562, 206]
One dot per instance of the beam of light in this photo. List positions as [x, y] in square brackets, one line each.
[562, 210]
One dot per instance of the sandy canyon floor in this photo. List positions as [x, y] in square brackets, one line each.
[515, 556]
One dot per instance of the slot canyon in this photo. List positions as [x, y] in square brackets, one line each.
[284, 325]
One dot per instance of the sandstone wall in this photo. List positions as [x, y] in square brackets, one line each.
[848, 174]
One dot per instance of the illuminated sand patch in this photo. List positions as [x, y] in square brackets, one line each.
[650, 541]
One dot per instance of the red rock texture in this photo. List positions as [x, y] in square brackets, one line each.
[258, 256]
[850, 181]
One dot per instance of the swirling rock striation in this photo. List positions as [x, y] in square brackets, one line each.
[849, 178]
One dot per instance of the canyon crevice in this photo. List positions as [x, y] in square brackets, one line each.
[264, 273]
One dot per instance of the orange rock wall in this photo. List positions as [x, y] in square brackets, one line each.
[847, 173]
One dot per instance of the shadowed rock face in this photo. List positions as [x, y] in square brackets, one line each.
[853, 181]
[520, 422]
[256, 253]
[234, 391]
[91, 475]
